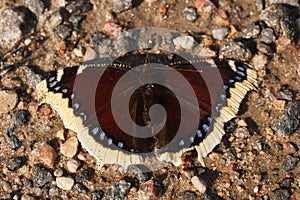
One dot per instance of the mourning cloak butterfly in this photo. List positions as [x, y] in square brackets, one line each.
[83, 100]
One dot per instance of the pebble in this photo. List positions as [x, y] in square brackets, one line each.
[215, 157]
[264, 48]
[267, 36]
[70, 147]
[46, 154]
[58, 172]
[121, 5]
[140, 173]
[242, 133]
[8, 98]
[5, 186]
[97, 194]
[118, 190]
[14, 163]
[289, 148]
[256, 189]
[190, 14]
[290, 162]
[261, 145]
[82, 156]
[252, 31]
[279, 104]
[90, 54]
[112, 29]
[76, 19]
[220, 33]
[33, 79]
[206, 52]
[199, 184]
[35, 6]
[11, 33]
[73, 165]
[62, 32]
[54, 20]
[41, 175]
[235, 50]
[85, 175]
[205, 6]
[280, 194]
[53, 191]
[280, 18]
[185, 42]
[259, 61]
[20, 117]
[148, 191]
[287, 182]
[79, 6]
[289, 121]
[65, 183]
[37, 191]
[27, 197]
[11, 139]
[80, 188]
[259, 5]
[58, 3]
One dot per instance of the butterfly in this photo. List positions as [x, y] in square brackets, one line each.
[192, 99]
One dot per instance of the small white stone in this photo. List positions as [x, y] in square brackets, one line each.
[199, 184]
[220, 33]
[256, 189]
[70, 147]
[82, 156]
[259, 61]
[73, 165]
[8, 100]
[65, 183]
[27, 41]
[185, 42]
[90, 54]
[58, 172]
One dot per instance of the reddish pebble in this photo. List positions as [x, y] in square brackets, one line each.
[288, 175]
[112, 29]
[232, 167]
[205, 6]
[163, 10]
[46, 154]
[47, 111]
[289, 148]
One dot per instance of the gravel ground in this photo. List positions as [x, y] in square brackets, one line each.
[258, 157]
